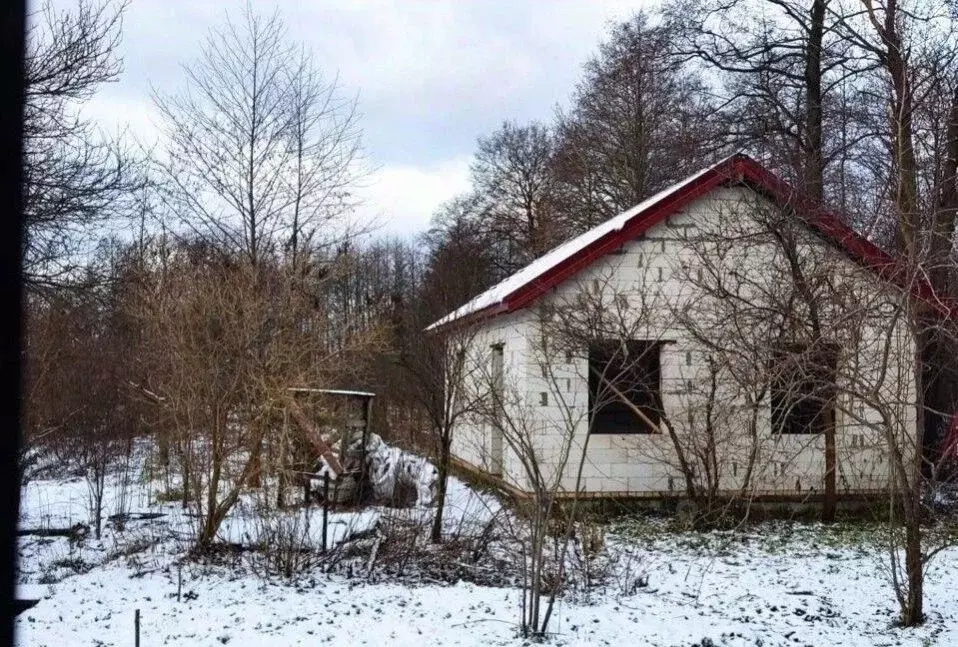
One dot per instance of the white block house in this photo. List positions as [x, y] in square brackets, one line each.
[697, 300]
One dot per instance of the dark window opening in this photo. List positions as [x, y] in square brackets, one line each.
[803, 389]
[623, 374]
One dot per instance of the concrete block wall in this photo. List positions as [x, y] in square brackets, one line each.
[652, 274]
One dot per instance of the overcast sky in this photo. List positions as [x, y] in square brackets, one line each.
[431, 76]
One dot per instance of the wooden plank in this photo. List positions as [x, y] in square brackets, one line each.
[315, 438]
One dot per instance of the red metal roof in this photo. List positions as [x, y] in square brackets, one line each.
[738, 169]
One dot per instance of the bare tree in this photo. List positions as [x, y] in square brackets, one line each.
[913, 67]
[74, 177]
[640, 120]
[261, 153]
[327, 157]
[436, 374]
[261, 150]
[785, 63]
[512, 176]
[458, 234]
[538, 468]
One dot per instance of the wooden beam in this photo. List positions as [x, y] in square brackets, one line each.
[315, 438]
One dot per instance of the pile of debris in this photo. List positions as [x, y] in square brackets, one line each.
[394, 476]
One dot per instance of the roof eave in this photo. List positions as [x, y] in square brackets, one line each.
[736, 169]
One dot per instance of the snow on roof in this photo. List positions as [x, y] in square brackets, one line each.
[499, 292]
[346, 392]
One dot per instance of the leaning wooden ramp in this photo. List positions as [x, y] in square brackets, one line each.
[344, 450]
[315, 439]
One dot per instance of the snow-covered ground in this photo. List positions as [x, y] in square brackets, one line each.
[771, 585]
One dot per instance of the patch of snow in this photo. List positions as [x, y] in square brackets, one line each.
[771, 585]
[744, 598]
[31, 591]
[246, 527]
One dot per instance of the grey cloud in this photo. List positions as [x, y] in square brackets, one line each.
[431, 75]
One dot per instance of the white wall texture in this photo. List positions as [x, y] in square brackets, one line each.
[652, 275]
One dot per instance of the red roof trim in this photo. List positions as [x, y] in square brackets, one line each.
[738, 168]
[862, 250]
[633, 228]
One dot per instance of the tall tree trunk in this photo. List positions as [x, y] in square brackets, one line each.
[907, 480]
[830, 499]
[905, 168]
[436, 533]
[942, 270]
[904, 163]
[913, 613]
[814, 157]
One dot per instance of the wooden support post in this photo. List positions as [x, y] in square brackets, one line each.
[325, 507]
[283, 460]
[367, 420]
[361, 480]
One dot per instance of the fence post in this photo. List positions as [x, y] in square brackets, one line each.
[136, 628]
[325, 507]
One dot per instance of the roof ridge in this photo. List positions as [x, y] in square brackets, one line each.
[531, 271]
[562, 261]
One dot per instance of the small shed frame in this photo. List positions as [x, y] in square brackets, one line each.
[357, 420]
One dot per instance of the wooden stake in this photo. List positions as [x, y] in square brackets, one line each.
[325, 507]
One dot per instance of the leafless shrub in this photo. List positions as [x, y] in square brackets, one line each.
[284, 543]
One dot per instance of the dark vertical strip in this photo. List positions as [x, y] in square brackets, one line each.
[325, 507]
[12, 26]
